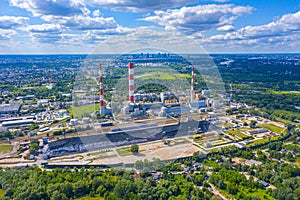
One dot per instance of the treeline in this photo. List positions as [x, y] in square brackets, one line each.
[61, 184]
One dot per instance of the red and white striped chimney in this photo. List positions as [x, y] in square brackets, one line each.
[131, 81]
[102, 109]
[192, 84]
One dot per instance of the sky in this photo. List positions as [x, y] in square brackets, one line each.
[79, 26]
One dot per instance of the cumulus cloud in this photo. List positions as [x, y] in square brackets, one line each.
[6, 34]
[226, 28]
[8, 22]
[138, 5]
[286, 28]
[52, 7]
[82, 22]
[96, 13]
[43, 28]
[44, 33]
[198, 18]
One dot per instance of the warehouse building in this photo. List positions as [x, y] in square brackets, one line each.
[11, 108]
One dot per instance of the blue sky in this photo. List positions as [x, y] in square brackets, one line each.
[78, 26]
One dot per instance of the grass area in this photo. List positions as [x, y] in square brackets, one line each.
[80, 111]
[285, 121]
[90, 198]
[227, 125]
[2, 193]
[165, 76]
[211, 163]
[272, 128]
[245, 129]
[124, 151]
[238, 134]
[5, 148]
[297, 162]
[261, 141]
[284, 92]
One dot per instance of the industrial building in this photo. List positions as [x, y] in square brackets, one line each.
[12, 108]
[17, 123]
[166, 104]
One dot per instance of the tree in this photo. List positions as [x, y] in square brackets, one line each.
[253, 124]
[134, 149]
[58, 196]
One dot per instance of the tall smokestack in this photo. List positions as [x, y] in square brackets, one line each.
[102, 109]
[192, 84]
[131, 81]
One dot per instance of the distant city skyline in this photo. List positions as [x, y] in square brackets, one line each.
[80, 26]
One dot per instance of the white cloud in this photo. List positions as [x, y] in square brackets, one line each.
[226, 28]
[282, 31]
[8, 22]
[52, 7]
[43, 28]
[81, 22]
[221, 1]
[44, 33]
[96, 13]
[198, 18]
[138, 5]
[6, 34]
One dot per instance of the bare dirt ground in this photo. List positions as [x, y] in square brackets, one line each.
[150, 151]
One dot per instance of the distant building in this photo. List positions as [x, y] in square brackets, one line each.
[74, 122]
[86, 120]
[263, 130]
[11, 108]
[30, 96]
[196, 105]
[206, 93]
[253, 162]
[157, 175]
[43, 102]
[17, 123]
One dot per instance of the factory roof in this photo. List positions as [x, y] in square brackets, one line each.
[198, 104]
[263, 130]
[17, 122]
[13, 107]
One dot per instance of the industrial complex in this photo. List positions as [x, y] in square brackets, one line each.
[146, 117]
[159, 119]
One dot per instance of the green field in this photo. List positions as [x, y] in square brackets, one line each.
[80, 111]
[286, 121]
[261, 141]
[124, 151]
[272, 128]
[5, 148]
[284, 92]
[238, 134]
[165, 76]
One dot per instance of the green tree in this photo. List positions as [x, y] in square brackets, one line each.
[253, 123]
[134, 149]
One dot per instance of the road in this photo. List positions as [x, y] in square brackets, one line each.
[217, 192]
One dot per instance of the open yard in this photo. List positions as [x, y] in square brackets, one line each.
[124, 151]
[5, 148]
[165, 76]
[238, 133]
[80, 111]
[272, 128]
[261, 141]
